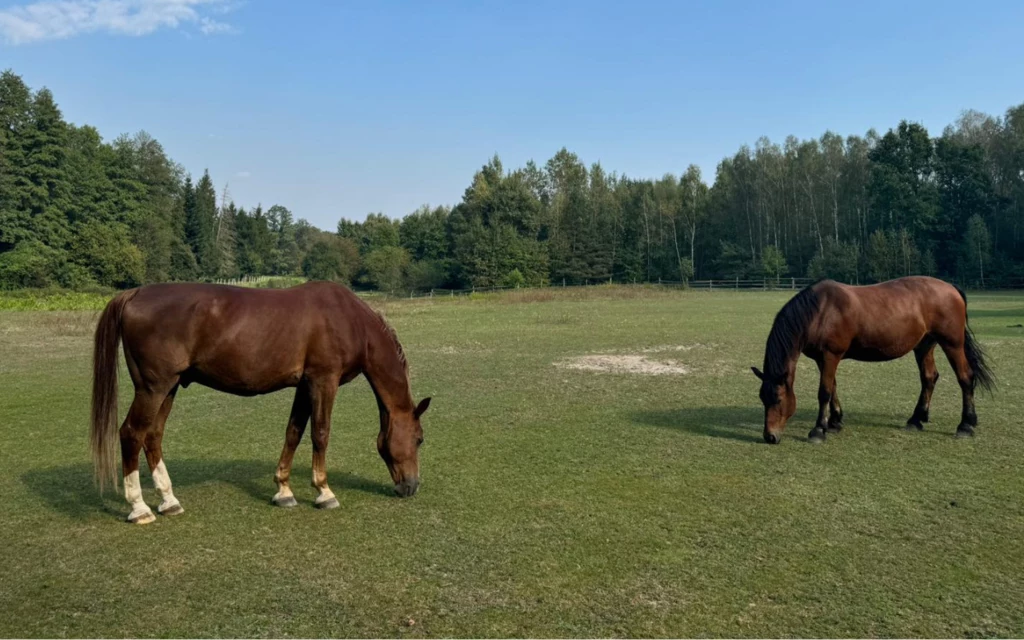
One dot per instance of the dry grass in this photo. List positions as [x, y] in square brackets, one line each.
[68, 323]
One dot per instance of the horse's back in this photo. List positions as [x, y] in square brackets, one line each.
[242, 340]
[886, 320]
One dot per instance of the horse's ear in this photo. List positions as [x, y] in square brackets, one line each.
[421, 408]
[757, 372]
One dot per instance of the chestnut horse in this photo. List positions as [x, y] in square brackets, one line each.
[315, 337]
[829, 321]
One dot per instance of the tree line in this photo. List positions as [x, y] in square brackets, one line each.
[76, 211]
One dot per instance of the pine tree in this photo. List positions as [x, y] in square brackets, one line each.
[48, 189]
[205, 217]
[15, 119]
[225, 237]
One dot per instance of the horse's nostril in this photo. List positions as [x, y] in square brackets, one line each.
[771, 438]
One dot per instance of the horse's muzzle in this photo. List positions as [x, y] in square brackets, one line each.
[771, 438]
[407, 488]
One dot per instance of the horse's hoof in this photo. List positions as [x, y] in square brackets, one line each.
[143, 518]
[287, 501]
[816, 436]
[330, 503]
[835, 428]
[914, 425]
[964, 432]
[173, 510]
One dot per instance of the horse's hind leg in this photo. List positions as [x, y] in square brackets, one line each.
[293, 435]
[141, 419]
[925, 355]
[835, 411]
[965, 376]
[169, 505]
[322, 397]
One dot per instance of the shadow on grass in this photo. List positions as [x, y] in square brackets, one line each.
[70, 489]
[732, 423]
[745, 424]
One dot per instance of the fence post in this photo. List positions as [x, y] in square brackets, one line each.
[792, 284]
[563, 282]
[737, 283]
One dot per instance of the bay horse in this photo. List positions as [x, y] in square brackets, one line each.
[829, 322]
[315, 337]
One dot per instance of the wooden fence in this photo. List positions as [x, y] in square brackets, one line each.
[732, 284]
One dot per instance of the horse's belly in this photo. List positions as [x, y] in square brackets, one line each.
[243, 380]
[880, 351]
[867, 354]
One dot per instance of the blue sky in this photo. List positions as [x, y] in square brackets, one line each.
[337, 109]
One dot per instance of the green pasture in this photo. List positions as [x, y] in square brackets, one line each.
[555, 501]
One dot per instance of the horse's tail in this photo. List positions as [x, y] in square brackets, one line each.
[103, 436]
[975, 354]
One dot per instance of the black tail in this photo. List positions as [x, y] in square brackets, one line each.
[975, 354]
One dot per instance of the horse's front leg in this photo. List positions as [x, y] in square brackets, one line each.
[322, 397]
[826, 386]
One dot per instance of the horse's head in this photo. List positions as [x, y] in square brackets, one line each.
[779, 404]
[399, 444]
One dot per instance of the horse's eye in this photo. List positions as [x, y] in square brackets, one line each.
[419, 441]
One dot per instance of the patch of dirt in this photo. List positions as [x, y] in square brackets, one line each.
[625, 364]
[453, 350]
[674, 347]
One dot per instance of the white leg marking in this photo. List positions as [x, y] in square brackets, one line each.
[133, 493]
[326, 499]
[284, 491]
[325, 495]
[162, 480]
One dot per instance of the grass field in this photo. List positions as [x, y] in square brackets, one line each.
[555, 501]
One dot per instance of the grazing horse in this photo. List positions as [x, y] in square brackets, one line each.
[829, 321]
[315, 337]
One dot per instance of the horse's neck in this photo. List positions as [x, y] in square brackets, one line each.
[789, 364]
[388, 377]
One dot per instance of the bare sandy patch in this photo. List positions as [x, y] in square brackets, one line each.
[674, 347]
[458, 350]
[632, 364]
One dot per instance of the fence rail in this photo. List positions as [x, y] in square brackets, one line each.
[708, 285]
[730, 284]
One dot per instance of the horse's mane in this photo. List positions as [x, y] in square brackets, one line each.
[389, 330]
[790, 326]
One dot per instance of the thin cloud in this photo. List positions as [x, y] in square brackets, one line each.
[209, 27]
[243, 174]
[61, 19]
